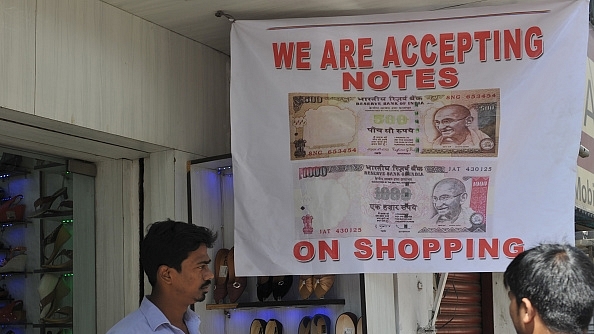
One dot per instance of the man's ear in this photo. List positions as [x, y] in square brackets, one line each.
[468, 120]
[527, 311]
[164, 274]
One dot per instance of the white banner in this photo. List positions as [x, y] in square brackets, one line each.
[441, 141]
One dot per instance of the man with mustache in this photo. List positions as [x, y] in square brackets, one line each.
[175, 259]
[453, 123]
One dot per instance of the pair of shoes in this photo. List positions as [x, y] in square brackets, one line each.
[16, 261]
[278, 286]
[318, 284]
[346, 323]
[11, 210]
[221, 276]
[273, 326]
[44, 204]
[13, 312]
[235, 284]
[59, 236]
[52, 288]
[320, 324]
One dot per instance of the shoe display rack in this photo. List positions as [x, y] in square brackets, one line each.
[37, 244]
[270, 303]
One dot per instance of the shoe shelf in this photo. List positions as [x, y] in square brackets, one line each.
[276, 303]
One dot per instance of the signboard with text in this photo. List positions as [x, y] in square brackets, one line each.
[418, 142]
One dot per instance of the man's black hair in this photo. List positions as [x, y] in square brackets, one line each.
[559, 282]
[169, 243]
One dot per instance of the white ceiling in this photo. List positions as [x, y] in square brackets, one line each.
[196, 19]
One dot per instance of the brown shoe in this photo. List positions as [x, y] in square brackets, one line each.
[320, 324]
[305, 325]
[346, 323]
[306, 283]
[235, 285]
[221, 276]
[274, 326]
[258, 326]
[323, 283]
[360, 326]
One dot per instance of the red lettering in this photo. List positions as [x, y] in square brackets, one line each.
[364, 250]
[470, 249]
[283, 54]
[408, 244]
[484, 247]
[496, 45]
[446, 48]
[378, 80]
[482, 37]
[300, 247]
[449, 77]
[451, 246]
[387, 248]
[512, 247]
[401, 75]
[430, 246]
[328, 58]
[511, 44]
[533, 42]
[391, 53]
[425, 78]
[331, 251]
[349, 81]
[303, 55]
[347, 51]
[364, 45]
[428, 58]
[464, 45]
[409, 41]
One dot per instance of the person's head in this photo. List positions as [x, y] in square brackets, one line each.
[551, 285]
[448, 196]
[173, 249]
[452, 122]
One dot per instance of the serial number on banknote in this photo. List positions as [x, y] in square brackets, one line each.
[333, 151]
[348, 230]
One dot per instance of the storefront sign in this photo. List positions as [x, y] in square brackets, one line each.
[417, 142]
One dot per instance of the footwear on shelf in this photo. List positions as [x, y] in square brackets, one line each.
[281, 286]
[61, 261]
[58, 237]
[52, 289]
[12, 210]
[304, 325]
[323, 283]
[273, 326]
[360, 325]
[235, 285]
[221, 276]
[13, 313]
[43, 204]
[320, 324]
[258, 326]
[346, 323]
[306, 284]
[16, 260]
[62, 315]
[264, 287]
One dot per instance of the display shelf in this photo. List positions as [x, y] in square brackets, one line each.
[15, 223]
[276, 303]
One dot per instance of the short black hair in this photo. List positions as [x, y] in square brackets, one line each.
[169, 243]
[558, 279]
